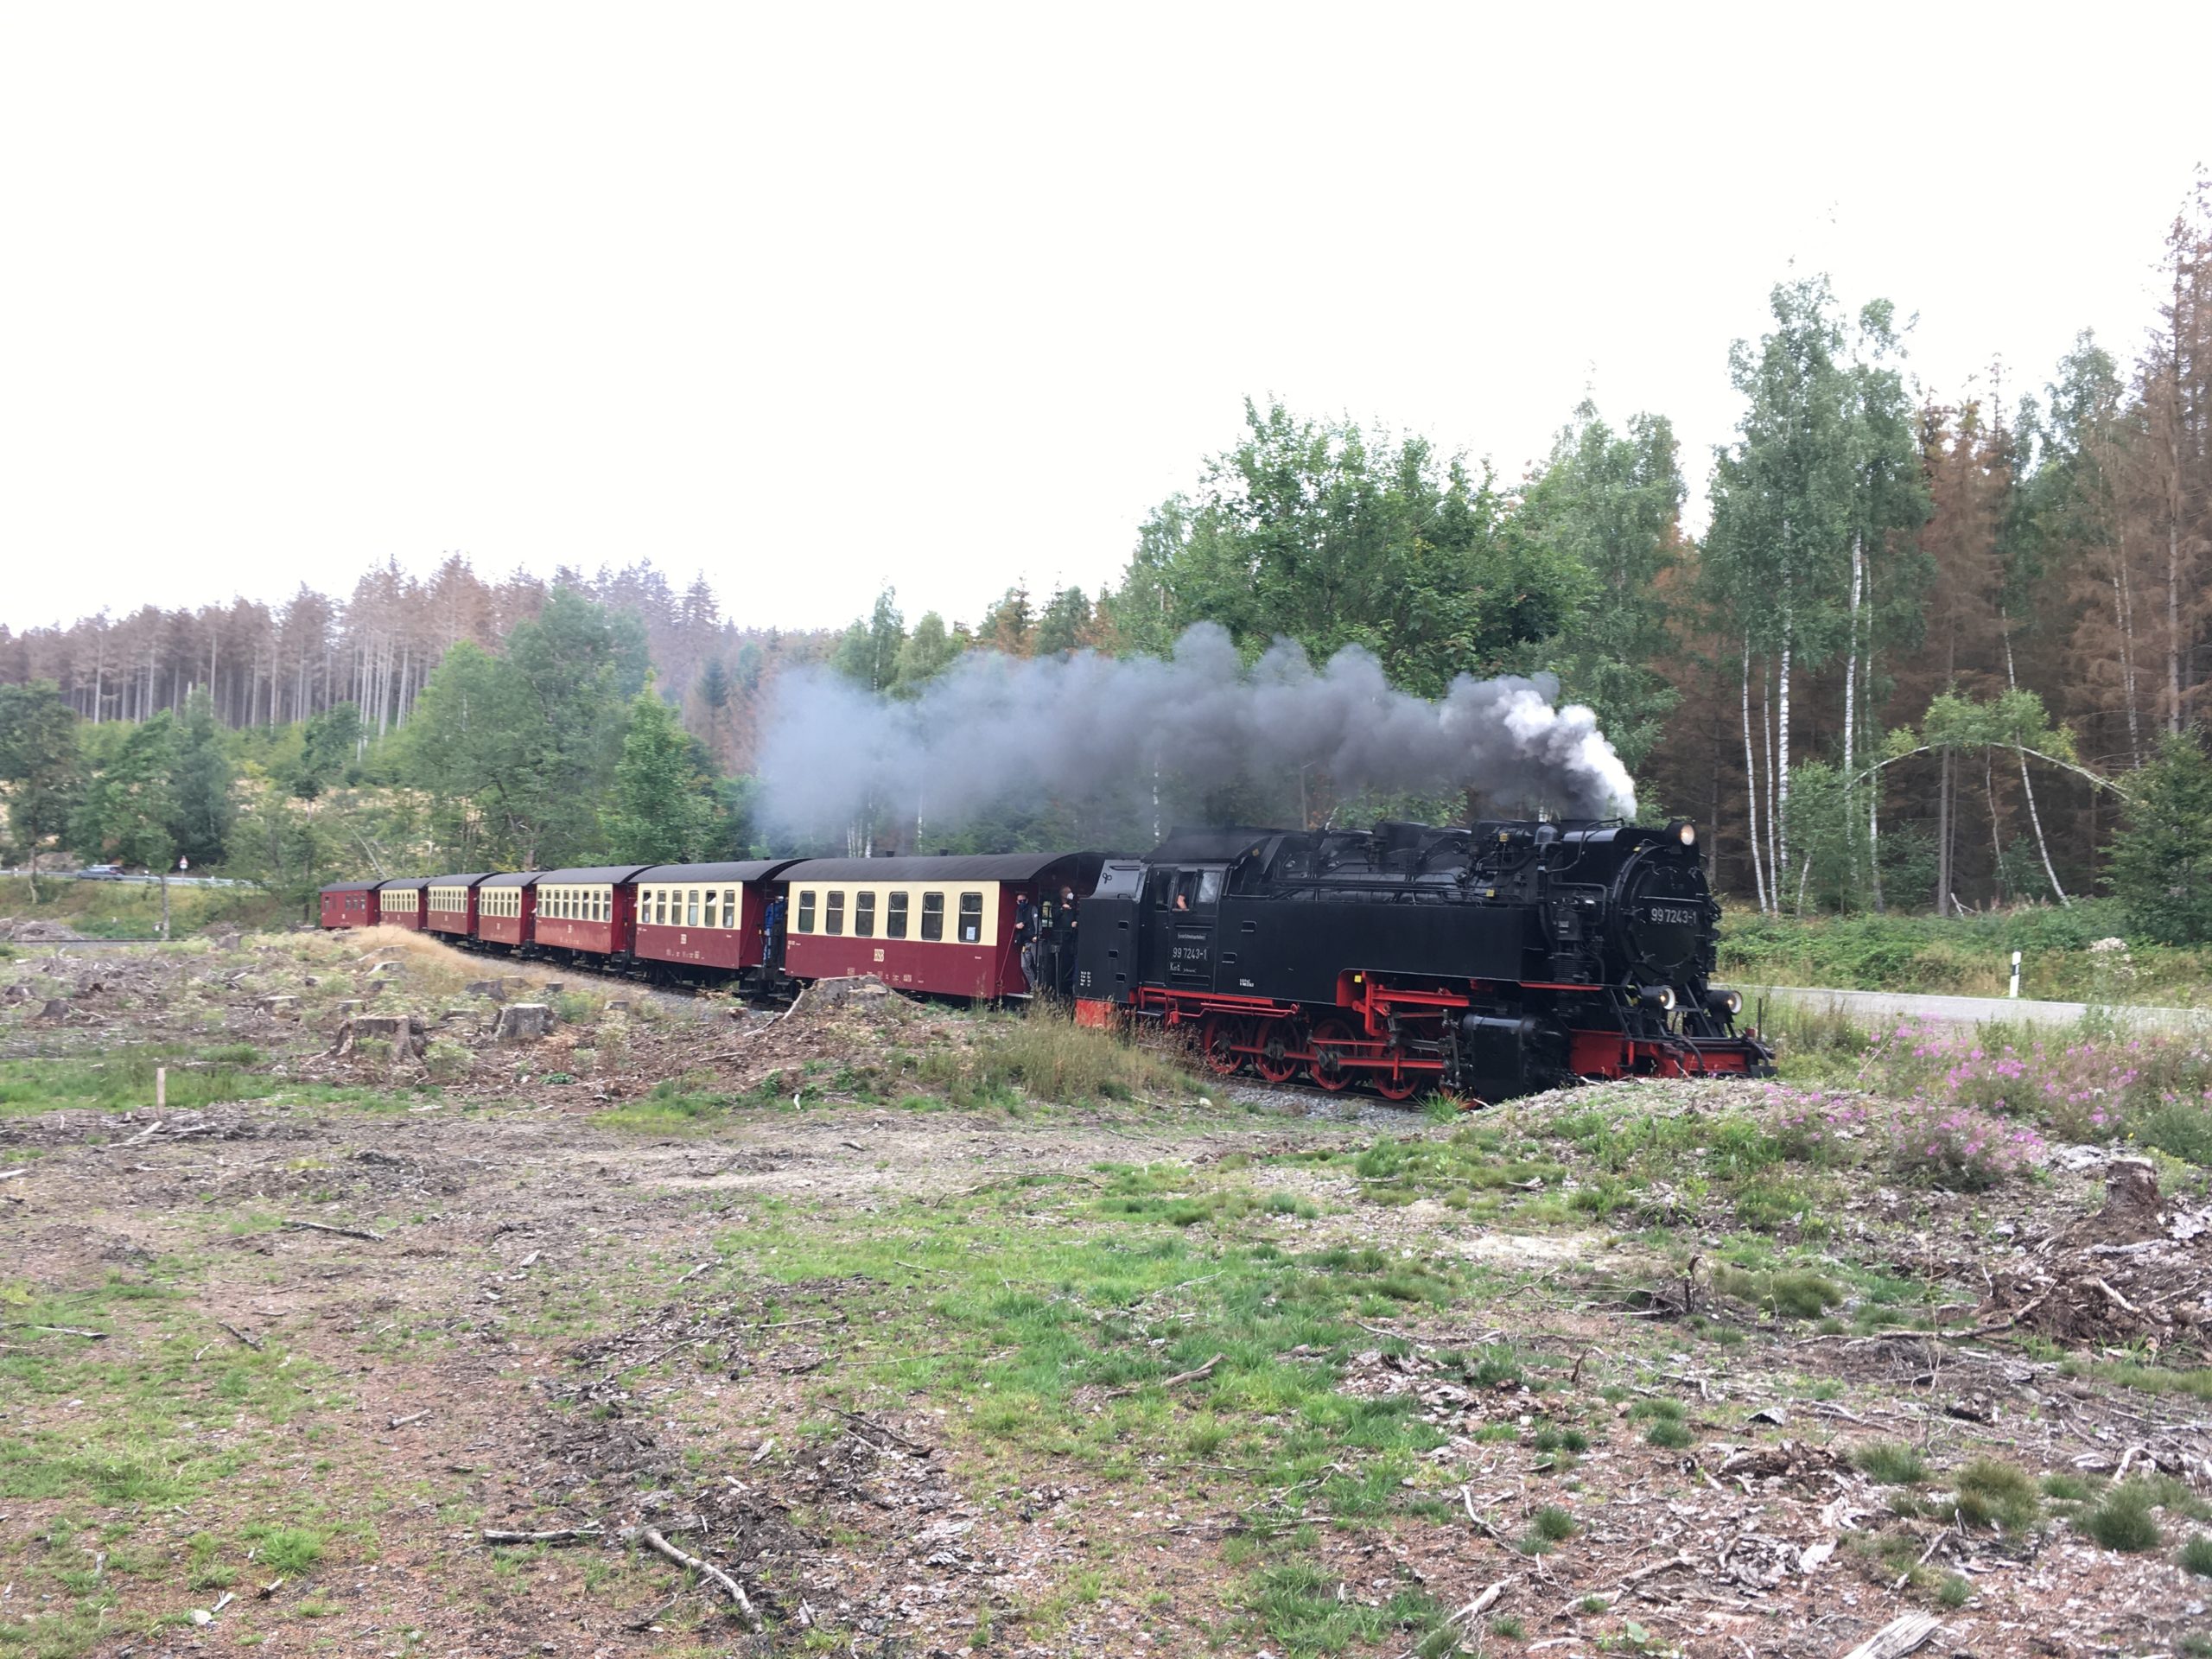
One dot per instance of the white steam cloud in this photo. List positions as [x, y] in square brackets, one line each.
[993, 729]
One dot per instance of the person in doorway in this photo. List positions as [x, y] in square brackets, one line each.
[1068, 920]
[771, 933]
[1024, 939]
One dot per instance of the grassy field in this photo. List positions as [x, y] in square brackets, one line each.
[105, 910]
[1969, 956]
[976, 1334]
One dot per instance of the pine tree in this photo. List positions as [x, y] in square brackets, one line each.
[2162, 859]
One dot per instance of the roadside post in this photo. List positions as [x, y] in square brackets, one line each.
[2015, 991]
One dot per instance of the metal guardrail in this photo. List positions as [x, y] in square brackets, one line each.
[133, 881]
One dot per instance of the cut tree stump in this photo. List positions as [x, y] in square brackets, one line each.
[524, 1022]
[283, 1008]
[404, 1032]
[496, 989]
[56, 1009]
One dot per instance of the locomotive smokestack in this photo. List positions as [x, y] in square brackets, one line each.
[996, 730]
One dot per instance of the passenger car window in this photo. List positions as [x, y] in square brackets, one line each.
[971, 919]
[714, 907]
[933, 915]
[864, 913]
[806, 909]
[729, 906]
[832, 920]
[894, 917]
[691, 909]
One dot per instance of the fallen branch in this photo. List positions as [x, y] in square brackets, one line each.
[582, 1535]
[60, 1330]
[401, 1422]
[1195, 1374]
[341, 1232]
[251, 1342]
[10, 1174]
[854, 1417]
[661, 1547]
[1897, 1638]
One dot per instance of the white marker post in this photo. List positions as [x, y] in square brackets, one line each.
[2015, 991]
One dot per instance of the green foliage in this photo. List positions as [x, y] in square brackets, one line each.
[128, 811]
[2162, 860]
[2123, 1522]
[2195, 1556]
[330, 747]
[1610, 502]
[38, 764]
[1994, 1493]
[662, 810]
[205, 809]
[1322, 533]
[518, 752]
[1890, 1463]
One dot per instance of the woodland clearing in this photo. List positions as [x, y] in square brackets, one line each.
[941, 1333]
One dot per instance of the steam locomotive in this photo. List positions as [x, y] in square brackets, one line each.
[1494, 959]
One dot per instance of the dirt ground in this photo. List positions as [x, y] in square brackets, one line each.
[462, 1345]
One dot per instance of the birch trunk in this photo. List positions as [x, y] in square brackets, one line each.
[2028, 791]
[1943, 837]
[1781, 767]
[1751, 786]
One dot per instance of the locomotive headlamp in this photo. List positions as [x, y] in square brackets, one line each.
[1729, 1002]
[1661, 997]
[1686, 832]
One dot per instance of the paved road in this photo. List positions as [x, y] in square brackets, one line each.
[1868, 1007]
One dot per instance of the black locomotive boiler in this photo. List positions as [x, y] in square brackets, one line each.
[1495, 959]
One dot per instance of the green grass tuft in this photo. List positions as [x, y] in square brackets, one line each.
[1890, 1463]
[2123, 1522]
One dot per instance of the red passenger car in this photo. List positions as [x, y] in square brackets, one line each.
[706, 920]
[943, 924]
[586, 911]
[399, 903]
[506, 909]
[350, 904]
[449, 903]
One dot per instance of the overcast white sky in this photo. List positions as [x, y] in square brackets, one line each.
[815, 298]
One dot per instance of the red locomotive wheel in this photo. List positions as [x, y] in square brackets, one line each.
[1331, 1039]
[1216, 1040]
[1274, 1040]
[1398, 1087]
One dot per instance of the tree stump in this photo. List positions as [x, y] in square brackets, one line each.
[56, 1009]
[495, 990]
[283, 1008]
[524, 1022]
[405, 1031]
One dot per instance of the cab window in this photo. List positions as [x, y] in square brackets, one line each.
[971, 919]
[864, 912]
[833, 918]
[894, 916]
[1210, 887]
[933, 915]
[806, 909]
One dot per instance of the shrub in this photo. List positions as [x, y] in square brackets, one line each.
[2123, 1521]
[2197, 1556]
[1668, 1434]
[1960, 1148]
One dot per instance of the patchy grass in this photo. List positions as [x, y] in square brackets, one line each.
[1047, 1055]
[1890, 1464]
